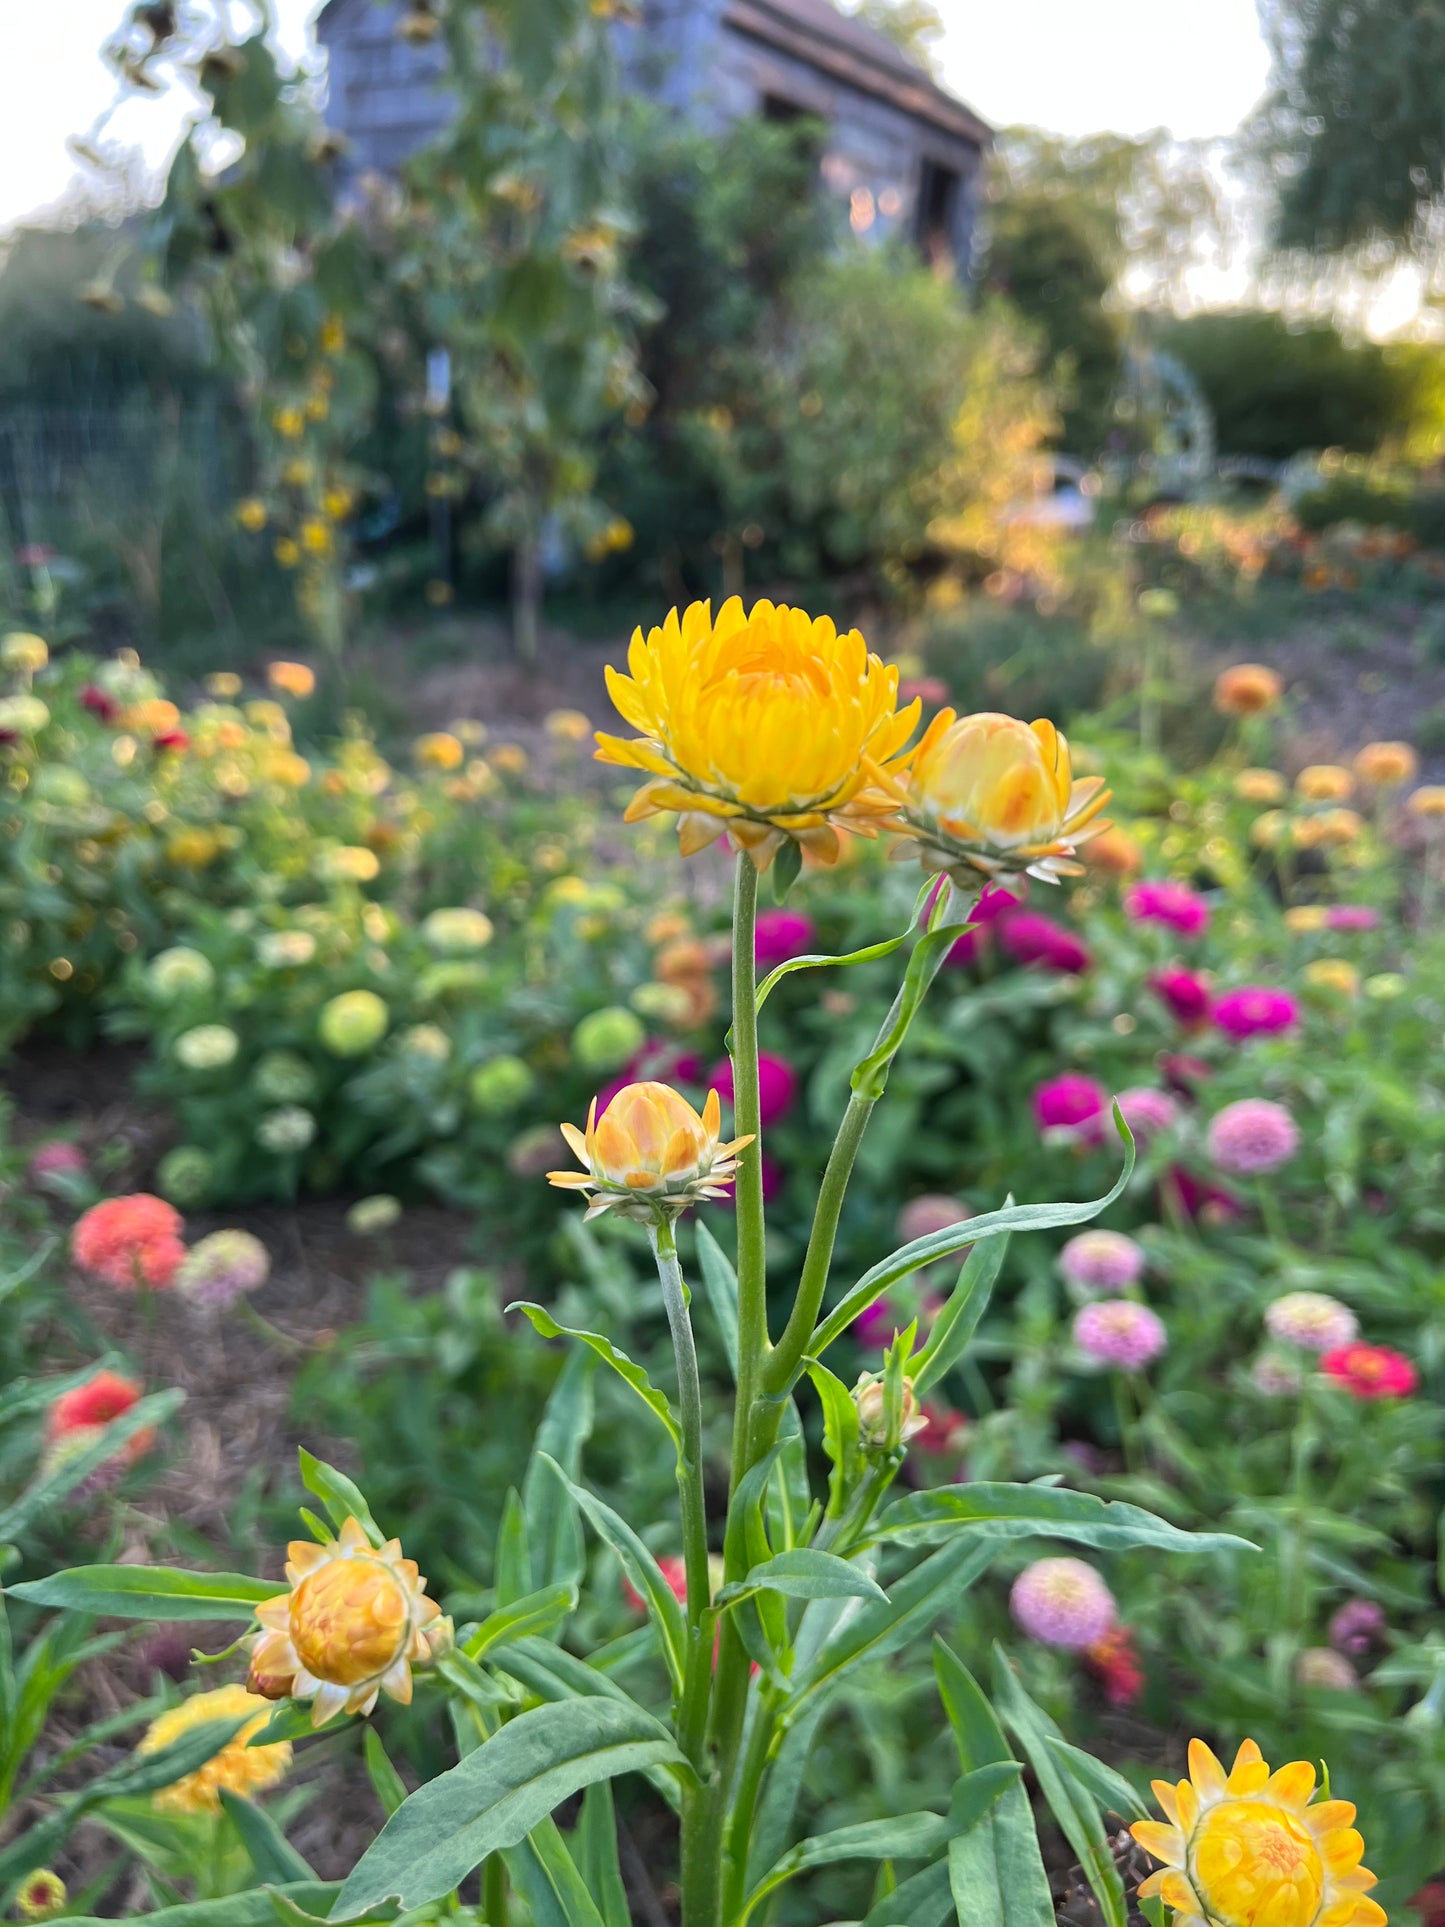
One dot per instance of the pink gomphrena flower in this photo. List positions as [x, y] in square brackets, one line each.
[1255, 1010]
[1252, 1137]
[1351, 917]
[1120, 1332]
[1102, 1261]
[1204, 1203]
[1277, 1375]
[782, 935]
[1184, 993]
[56, 1165]
[1357, 1626]
[1031, 938]
[777, 1086]
[1312, 1320]
[1167, 902]
[131, 1242]
[929, 690]
[1071, 1106]
[934, 1211]
[1114, 1662]
[1370, 1372]
[1062, 1602]
[1147, 1112]
[222, 1269]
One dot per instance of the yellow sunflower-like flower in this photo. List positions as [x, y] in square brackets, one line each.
[354, 1623]
[989, 793]
[1253, 1848]
[649, 1152]
[238, 1768]
[766, 726]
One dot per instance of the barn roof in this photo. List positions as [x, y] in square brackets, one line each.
[851, 51]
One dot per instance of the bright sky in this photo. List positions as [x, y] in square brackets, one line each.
[1194, 66]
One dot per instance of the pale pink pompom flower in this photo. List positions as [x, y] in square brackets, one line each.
[1252, 1137]
[1312, 1320]
[1062, 1602]
[1102, 1261]
[1119, 1332]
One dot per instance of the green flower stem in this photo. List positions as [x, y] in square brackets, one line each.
[756, 1758]
[494, 1891]
[689, 1484]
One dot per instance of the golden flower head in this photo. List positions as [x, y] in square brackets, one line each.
[1333, 974]
[1324, 783]
[291, 679]
[354, 1623]
[237, 1768]
[40, 1894]
[1254, 1848]
[439, 750]
[251, 514]
[1384, 765]
[766, 726]
[1247, 689]
[1259, 786]
[567, 725]
[1427, 801]
[1332, 829]
[650, 1153]
[989, 793]
[223, 684]
[286, 553]
[1114, 852]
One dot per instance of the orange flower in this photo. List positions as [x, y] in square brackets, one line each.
[650, 1153]
[130, 1242]
[291, 679]
[1385, 765]
[1324, 783]
[1115, 852]
[1247, 689]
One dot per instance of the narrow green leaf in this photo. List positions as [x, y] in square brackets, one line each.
[554, 1532]
[342, 1497]
[925, 1900]
[912, 1836]
[386, 1782]
[806, 1574]
[1111, 1790]
[513, 1563]
[786, 866]
[871, 955]
[594, 1848]
[840, 1436]
[721, 1284]
[547, 1877]
[956, 1323]
[289, 1722]
[999, 1512]
[496, 1795]
[540, 1612]
[632, 1376]
[149, 1592]
[254, 1909]
[52, 1488]
[272, 1855]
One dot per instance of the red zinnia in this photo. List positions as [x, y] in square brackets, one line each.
[130, 1242]
[94, 1405]
[1114, 1662]
[1371, 1371]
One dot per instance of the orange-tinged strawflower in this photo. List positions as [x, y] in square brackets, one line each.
[1253, 1848]
[766, 726]
[989, 794]
[354, 1623]
[1384, 765]
[1324, 783]
[650, 1152]
[291, 679]
[238, 1768]
[1246, 689]
[1114, 852]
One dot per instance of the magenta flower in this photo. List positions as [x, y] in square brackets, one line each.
[1255, 1010]
[1062, 1602]
[965, 951]
[876, 1323]
[1185, 994]
[1030, 938]
[1117, 1331]
[1167, 902]
[777, 1086]
[1252, 1137]
[1351, 917]
[1102, 1261]
[1148, 1112]
[781, 936]
[53, 1163]
[1205, 1203]
[995, 903]
[1074, 1104]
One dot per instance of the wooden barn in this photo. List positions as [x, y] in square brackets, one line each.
[904, 153]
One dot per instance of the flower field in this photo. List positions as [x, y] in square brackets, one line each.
[1158, 1468]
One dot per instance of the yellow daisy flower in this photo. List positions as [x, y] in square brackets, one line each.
[650, 1152]
[238, 1768]
[764, 726]
[353, 1624]
[1253, 1848]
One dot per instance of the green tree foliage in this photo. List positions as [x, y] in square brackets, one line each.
[1276, 388]
[915, 25]
[1354, 128]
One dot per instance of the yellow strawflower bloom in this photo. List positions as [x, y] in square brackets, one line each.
[251, 514]
[353, 1624]
[1324, 783]
[40, 1895]
[764, 726]
[649, 1152]
[1259, 786]
[20, 650]
[1333, 974]
[238, 1768]
[1249, 1849]
[1428, 800]
[439, 750]
[989, 793]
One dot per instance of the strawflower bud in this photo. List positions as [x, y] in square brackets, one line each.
[870, 1395]
[650, 1154]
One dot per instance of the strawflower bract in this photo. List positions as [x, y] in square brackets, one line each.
[650, 1153]
[354, 1623]
[1255, 1849]
[766, 725]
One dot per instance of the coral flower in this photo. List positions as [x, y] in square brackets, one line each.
[1170, 903]
[1255, 1849]
[353, 1624]
[95, 1404]
[1114, 852]
[650, 1152]
[237, 1768]
[1247, 689]
[991, 794]
[132, 1242]
[1384, 765]
[1371, 1371]
[766, 726]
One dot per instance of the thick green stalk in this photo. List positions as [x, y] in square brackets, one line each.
[756, 1756]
